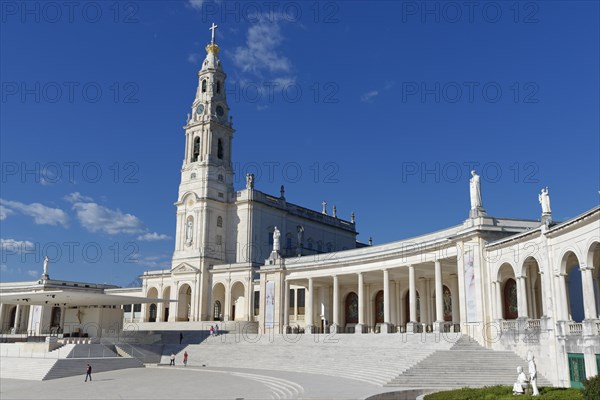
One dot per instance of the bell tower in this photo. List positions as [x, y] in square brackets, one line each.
[206, 190]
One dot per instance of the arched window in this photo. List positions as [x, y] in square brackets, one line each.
[319, 246]
[309, 244]
[351, 308]
[204, 86]
[220, 221]
[511, 310]
[288, 241]
[329, 247]
[220, 149]
[196, 152]
[218, 87]
[217, 311]
[152, 317]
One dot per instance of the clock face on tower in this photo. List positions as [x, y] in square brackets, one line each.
[200, 109]
[220, 111]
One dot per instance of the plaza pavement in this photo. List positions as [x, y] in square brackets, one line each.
[164, 382]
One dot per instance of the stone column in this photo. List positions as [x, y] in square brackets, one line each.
[17, 319]
[412, 300]
[309, 308]
[335, 326]
[386, 326]
[361, 304]
[131, 314]
[439, 298]
[455, 295]
[562, 282]
[589, 299]
[530, 296]
[286, 306]
[2, 317]
[521, 297]
[499, 304]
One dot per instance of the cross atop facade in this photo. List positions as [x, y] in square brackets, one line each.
[213, 28]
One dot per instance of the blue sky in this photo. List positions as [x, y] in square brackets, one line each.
[380, 108]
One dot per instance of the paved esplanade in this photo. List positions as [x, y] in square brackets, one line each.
[192, 382]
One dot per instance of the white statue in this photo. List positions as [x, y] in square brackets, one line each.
[46, 261]
[544, 199]
[276, 236]
[475, 191]
[324, 204]
[249, 181]
[521, 383]
[189, 232]
[532, 373]
[300, 230]
[334, 212]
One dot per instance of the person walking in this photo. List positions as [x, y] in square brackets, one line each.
[185, 358]
[172, 359]
[88, 373]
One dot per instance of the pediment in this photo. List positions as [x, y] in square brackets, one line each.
[184, 268]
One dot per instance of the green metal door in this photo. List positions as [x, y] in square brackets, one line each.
[576, 370]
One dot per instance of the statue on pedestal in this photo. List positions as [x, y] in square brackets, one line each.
[189, 232]
[46, 262]
[521, 383]
[532, 373]
[276, 236]
[324, 204]
[475, 191]
[249, 181]
[544, 199]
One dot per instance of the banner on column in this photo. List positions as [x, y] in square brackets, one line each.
[36, 318]
[470, 295]
[270, 304]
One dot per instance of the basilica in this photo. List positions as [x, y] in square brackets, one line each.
[253, 261]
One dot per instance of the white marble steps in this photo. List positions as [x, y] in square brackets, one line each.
[25, 368]
[77, 366]
[368, 358]
[146, 353]
[91, 351]
[466, 364]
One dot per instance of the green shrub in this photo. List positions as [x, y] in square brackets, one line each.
[591, 388]
[505, 393]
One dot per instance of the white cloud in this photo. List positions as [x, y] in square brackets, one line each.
[77, 197]
[197, 4]
[193, 58]
[261, 50]
[4, 212]
[95, 217]
[369, 96]
[16, 246]
[160, 261]
[41, 214]
[150, 237]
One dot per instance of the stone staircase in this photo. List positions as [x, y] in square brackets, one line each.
[25, 368]
[369, 358]
[92, 351]
[77, 366]
[146, 353]
[465, 364]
